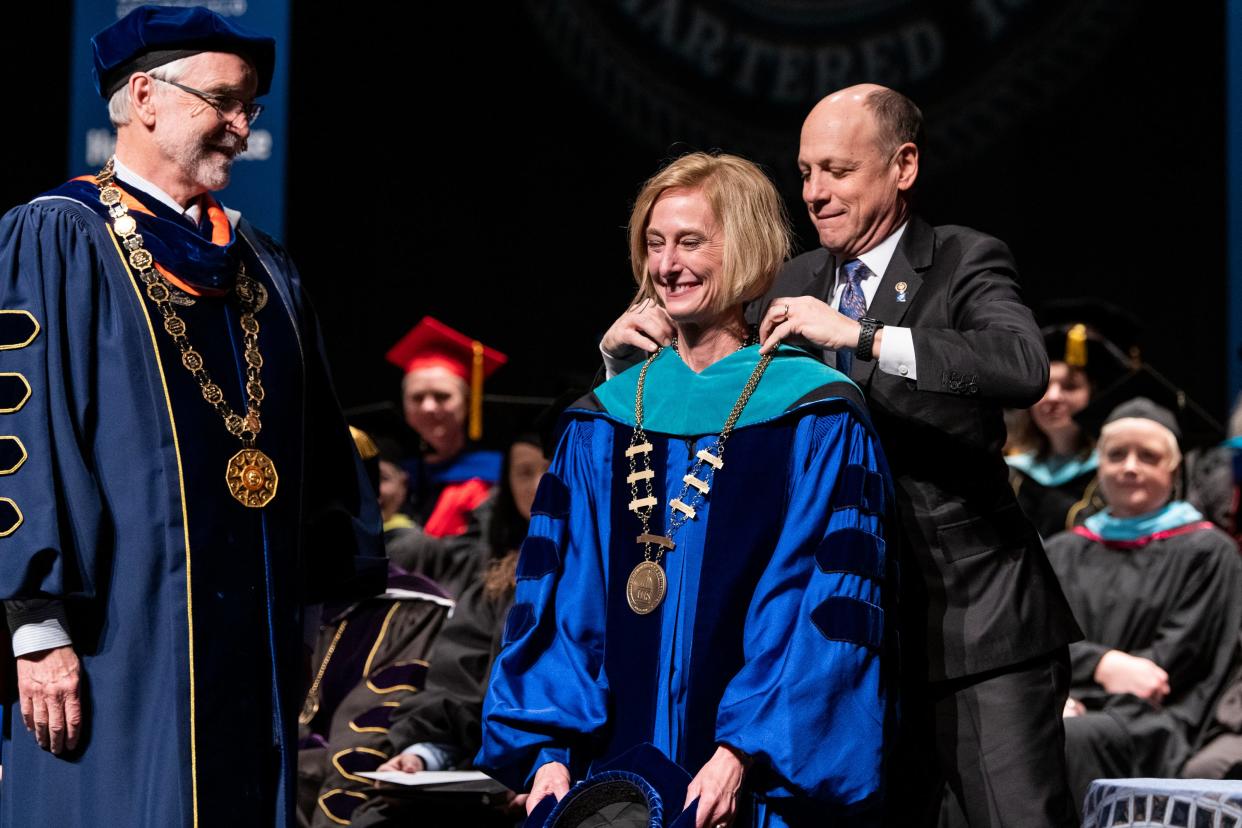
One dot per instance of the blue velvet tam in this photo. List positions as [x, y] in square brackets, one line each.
[641, 788]
[152, 36]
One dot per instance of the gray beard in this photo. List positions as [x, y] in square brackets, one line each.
[203, 165]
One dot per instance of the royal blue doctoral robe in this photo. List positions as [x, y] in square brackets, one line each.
[184, 606]
[772, 635]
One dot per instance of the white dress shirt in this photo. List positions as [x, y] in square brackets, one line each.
[194, 212]
[897, 350]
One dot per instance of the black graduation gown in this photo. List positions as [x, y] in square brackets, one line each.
[454, 561]
[1173, 600]
[449, 709]
[1056, 508]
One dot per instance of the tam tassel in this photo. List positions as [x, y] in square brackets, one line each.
[1076, 346]
[476, 391]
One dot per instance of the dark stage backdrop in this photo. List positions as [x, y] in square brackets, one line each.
[477, 161]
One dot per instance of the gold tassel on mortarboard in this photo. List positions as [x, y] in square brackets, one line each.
[476, 391]
[365, 445]
[1076, 346]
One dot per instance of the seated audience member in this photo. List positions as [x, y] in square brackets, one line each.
[370, 655]
[451, 561]
[1214, 489]
[1212, 485]
[394, 491]
[1053, 471]
[454, 561]
[381, 456]
[439, 728]
[1155, 588]
[449, 483]
[442, 399]
[1220, 756]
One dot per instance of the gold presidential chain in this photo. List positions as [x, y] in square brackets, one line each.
[311, 705]
[645, 588]
[250, 475]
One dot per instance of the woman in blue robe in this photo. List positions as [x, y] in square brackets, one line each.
[742, 633]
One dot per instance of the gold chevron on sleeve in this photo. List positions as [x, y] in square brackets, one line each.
[12, 454]
[14, 392]
[18, 328]
[10, 517]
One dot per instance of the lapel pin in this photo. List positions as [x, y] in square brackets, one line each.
[901, 291]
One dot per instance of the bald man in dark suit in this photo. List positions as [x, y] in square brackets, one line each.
[928, 321]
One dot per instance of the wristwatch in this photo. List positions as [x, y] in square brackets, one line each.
[866, 336]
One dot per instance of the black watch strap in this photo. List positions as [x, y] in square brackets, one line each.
[866, 336]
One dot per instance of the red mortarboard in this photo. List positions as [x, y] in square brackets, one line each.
[431, 343]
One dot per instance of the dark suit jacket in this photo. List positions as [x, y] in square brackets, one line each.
[977, 590]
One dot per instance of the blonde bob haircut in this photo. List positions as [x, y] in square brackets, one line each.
[750, 213]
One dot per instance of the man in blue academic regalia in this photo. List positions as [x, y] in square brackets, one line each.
[183, 482]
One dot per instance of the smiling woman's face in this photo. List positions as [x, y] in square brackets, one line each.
[685, 253]
[1068, 392]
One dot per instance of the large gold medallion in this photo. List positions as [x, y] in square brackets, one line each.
[645, 587]
[251, 478]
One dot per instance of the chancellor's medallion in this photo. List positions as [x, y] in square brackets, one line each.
[645, 587]
[251, 478]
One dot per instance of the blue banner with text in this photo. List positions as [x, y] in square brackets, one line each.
[257, 187]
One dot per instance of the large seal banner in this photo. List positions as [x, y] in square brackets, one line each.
[258, 185]
[741, 75]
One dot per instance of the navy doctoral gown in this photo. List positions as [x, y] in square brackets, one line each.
[183, 605]
[771, 635]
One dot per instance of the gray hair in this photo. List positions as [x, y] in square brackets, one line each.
[898, 120]
[118, 104]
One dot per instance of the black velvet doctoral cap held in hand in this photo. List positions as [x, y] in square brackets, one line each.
[152, 36]
[641, 788]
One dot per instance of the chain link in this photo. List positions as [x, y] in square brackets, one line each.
[248, 294]
[311, 705]
[678, 518]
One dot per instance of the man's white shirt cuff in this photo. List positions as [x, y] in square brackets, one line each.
[434, 758]
[897, 353]
[36, 636]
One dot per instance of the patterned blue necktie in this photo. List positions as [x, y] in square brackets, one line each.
[853, 305]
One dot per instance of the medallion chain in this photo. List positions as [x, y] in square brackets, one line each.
[250, 475]
[645, 588]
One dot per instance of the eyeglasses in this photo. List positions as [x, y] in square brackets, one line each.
[227, 108]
